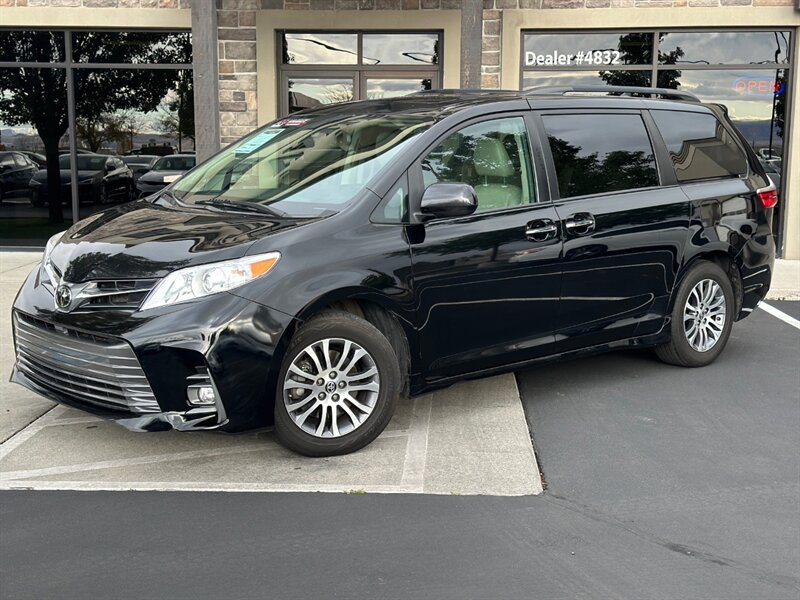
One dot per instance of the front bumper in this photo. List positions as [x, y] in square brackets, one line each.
[145, 188]
[236, 342]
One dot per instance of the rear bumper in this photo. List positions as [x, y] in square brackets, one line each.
[232, 343]
[756, 265]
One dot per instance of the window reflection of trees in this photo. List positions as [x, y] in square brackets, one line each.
[580, 174]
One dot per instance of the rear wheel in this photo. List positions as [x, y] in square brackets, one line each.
[702, 317]
[338, 386]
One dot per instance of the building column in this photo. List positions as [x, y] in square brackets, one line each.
[791, 158]
[206, 78]
[471, 40]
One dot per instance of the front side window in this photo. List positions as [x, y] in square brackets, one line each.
[598, 153]
[699, 146]
[493, 157]
[302, 167]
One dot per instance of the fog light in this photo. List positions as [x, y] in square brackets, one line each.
[201, 395]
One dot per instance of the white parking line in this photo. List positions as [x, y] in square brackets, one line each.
[780, 315]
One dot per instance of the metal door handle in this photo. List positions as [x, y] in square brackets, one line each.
[580, 224]
[541, 232]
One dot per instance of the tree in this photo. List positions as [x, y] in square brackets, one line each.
[178, 119]
[637, 49]
[38, 95]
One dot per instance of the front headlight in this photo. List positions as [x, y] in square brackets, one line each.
[195, 282]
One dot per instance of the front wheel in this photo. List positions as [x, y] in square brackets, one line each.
[702, 317]
[338, 386]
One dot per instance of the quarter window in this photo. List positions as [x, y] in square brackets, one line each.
[699, 146]
[598, 153]
[493, 157]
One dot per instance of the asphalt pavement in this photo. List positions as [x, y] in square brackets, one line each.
[661, 483]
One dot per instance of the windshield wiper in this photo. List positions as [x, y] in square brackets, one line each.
[244, 205]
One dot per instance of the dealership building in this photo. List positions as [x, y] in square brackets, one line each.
[251, 61]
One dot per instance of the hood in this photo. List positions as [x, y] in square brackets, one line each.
[142, 240]
[41, 176]
[158, 176]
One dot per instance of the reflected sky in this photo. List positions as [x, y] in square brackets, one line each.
[729, 47]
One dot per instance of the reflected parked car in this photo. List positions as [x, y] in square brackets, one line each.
[101, 179]
[16, 171]
[165, 171]
[39, 159]
[139, 164]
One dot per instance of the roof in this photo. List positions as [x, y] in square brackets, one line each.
[448, 101]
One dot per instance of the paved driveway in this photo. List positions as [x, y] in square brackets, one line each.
[663, 483]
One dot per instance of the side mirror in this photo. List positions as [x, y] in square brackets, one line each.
[109, 167]
[444, 200]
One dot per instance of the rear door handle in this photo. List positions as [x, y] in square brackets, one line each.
[580, 223]
[541, 230]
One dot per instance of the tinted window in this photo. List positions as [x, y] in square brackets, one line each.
[6, 160]
[725, 47]
[493, 157]
[600, 153]
[320, 48]
[699, 146]
[86, 162]
[401, 49]
[20, 160]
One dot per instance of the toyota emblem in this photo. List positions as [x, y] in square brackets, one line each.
[63, 297]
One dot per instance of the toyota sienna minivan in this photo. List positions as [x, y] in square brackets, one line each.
[309, 275]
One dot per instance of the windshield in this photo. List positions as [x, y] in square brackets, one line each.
[174, 163]
[86, 162]
[137, 160]
[304, 166]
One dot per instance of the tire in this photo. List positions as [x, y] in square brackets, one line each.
[36, 199]
[102, 197]
[326, 400]
[693, 343]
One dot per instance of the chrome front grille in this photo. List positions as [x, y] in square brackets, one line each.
[116, 294]
[89, 369]
[102, 294]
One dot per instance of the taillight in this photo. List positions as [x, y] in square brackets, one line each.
[768, 196]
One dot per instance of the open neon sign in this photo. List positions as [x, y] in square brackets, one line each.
[758, 87]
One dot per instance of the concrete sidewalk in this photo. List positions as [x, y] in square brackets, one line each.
[471, 438]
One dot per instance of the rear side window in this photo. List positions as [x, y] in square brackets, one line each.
[699, 146]
[597, 153]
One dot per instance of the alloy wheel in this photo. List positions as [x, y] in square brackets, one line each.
[331, 387]
[704, 315]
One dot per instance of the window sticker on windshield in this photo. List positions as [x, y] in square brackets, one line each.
[258, 140]
[291, 122]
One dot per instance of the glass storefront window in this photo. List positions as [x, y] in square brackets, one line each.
[319, 68]
[400, 49]
[320, 48]
[587, 49]
[312, 92]
[137, 110]
[532, 79]
[724, 47]
[392, 88]
[31, 46]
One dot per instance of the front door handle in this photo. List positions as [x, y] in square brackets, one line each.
[580, 223]
[541, 230]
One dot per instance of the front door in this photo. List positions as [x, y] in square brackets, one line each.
[624, 231]
[486, 286]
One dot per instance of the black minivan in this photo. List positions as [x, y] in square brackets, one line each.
[332, 261]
